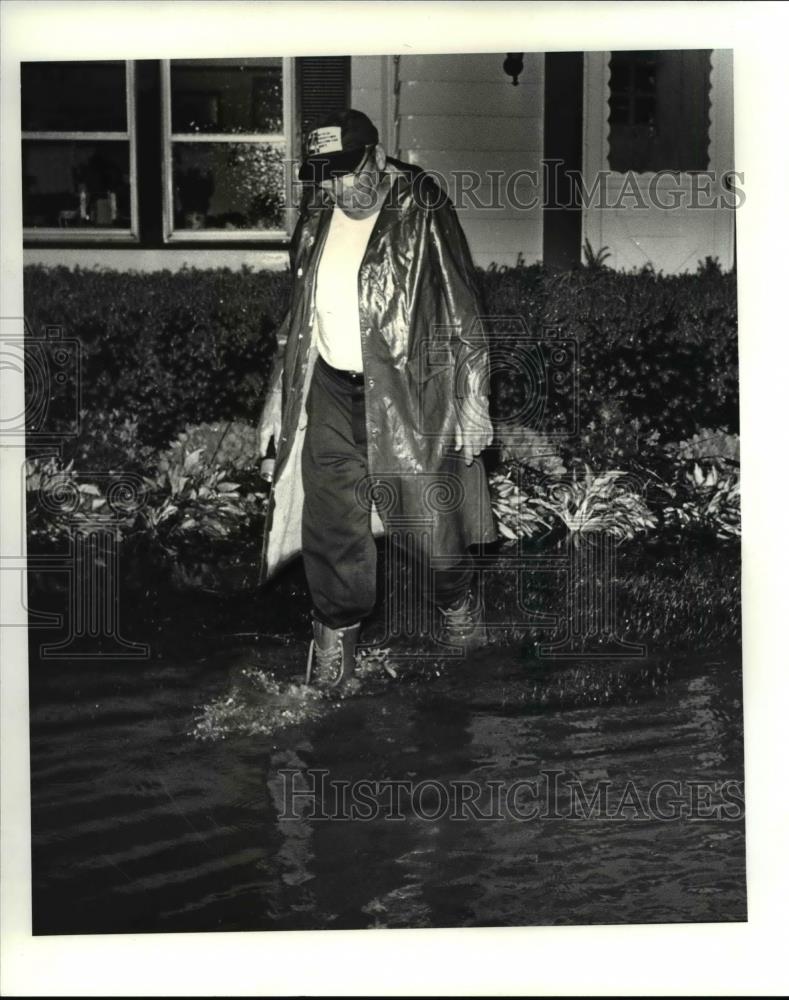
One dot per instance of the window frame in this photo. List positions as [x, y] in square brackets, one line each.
[677, 173]
[598, 219]
[172, 236]
[96, 234]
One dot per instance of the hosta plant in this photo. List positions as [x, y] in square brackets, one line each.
[712, 446]
[705, 501]
[533, 448]
[188, 498]
[515, 509]
[605, 503]
[57, 502]
[229, 444]
[185, 501]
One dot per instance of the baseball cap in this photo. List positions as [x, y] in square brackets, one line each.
[336, 145]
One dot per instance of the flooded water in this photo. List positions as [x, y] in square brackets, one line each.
[163, 794]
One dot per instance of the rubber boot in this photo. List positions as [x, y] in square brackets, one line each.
[331, 658]
[463, 622]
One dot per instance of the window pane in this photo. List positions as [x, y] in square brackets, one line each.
[74, 97]
[645, 73]
[644, 110]
[228, 185]
[227, 95]
[620, 110]
[70, 184]
[620, 75]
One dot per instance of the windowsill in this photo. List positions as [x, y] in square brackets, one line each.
[228, 236]
[196, 239]
[55, 234]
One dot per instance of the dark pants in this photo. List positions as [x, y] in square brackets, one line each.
[340, 555]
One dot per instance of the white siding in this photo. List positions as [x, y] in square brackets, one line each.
[460, 117]
[373, 92]
[673, 240]
[129, 259]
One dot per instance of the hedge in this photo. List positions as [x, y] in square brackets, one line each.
[165, 348]
[661, 349]
[172, 348]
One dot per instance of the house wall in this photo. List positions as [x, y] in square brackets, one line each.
[460, 117]
[675, 239]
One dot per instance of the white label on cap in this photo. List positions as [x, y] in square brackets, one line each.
[325, 140]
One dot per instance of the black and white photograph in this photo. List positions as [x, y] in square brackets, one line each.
[375, 451]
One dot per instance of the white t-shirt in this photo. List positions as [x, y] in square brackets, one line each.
[339, 337]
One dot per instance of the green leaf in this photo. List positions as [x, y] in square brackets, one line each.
[192, 459]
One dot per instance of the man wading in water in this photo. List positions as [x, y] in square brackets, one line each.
[378, 392]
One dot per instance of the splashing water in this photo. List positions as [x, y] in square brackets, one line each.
[260, 705]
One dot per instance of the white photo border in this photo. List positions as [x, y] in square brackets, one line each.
[693, 959]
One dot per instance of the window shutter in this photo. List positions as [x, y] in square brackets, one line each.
[324, 87]
[659, 110]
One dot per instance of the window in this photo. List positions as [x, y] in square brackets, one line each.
[659, 110]
[163, 154]
[228, 145]
[78, 150]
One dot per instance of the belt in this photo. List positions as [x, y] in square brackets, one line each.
[351, 377]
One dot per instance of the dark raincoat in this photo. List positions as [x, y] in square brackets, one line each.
[422, 348]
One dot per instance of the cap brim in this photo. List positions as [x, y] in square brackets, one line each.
[316, 169]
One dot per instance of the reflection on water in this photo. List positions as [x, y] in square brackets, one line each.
[140, 827]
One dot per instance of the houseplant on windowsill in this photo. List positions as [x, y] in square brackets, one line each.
[194, 188]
